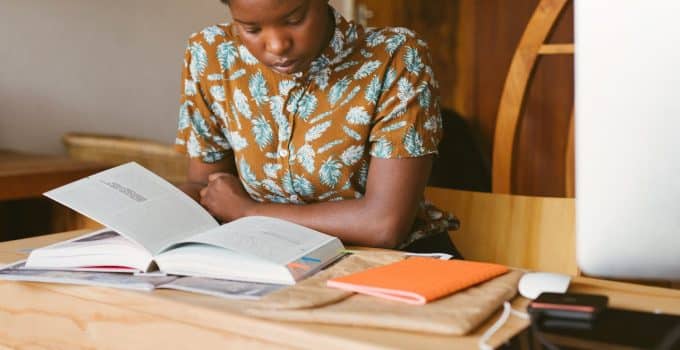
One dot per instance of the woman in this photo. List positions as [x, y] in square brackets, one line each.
[290, 111]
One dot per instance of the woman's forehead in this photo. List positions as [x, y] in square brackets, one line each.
[256, 11]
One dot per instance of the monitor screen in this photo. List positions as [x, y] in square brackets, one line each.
[627, 138]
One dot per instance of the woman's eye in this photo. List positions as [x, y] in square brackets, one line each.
[251, 30]
[295, 21]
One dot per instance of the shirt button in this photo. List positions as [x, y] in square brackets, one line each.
[283, 153]
[294, 198]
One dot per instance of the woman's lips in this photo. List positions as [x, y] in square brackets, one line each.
[285, 66]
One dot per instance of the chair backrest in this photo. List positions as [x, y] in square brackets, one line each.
[522, 231]
[531, 45]
[157, 157]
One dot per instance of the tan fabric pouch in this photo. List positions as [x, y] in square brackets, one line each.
[312, 301]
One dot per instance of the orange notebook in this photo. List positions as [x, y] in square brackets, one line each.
[418, 280]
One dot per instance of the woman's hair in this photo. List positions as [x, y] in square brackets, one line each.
[226, 2]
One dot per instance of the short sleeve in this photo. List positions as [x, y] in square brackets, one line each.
[199, 132]
[408, 121]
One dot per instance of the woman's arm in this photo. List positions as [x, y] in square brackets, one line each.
[382, 218]
[198, 172]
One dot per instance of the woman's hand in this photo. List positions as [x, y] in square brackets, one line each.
[225, 198]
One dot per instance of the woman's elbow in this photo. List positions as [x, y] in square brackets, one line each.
[389, 234]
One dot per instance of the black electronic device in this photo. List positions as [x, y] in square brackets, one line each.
[571, 306]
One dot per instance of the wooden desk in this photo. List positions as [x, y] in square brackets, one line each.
[24, 175]
[62, 316]
[23, 179]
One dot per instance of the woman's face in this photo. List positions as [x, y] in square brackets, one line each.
[286, 35]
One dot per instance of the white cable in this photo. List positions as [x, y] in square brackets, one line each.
[507, 310]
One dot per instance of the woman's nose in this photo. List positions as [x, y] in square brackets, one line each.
[278, 44]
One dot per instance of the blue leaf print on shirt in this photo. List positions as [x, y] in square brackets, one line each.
[211, 32]
[352, 94]
[271, 186]
[219, 112]
[382, 148]
[329, 145]
[329, 172]
[276, 107]
[374, 38]
[394, 42]
[239, 73]
[258, 88]
[366, 69]
[358, 115]
[193, 146]
[432, 123]
[338, 90]
[199, 124]
[199, 61]
[305, 156]
[184, 115]
[413, 142]
[402, 30]
[425, 96]
[352, 154]
[346, 65]
[287, 183]
[242, 103]
[321, 79]
[319, 64]
[306, 106]
[373, 90]
[303, 186]
[285, 86]
[405, 90]
[246, 56]
[218, 93]
[390, 77]
[351, 133]
[412, 61]
[247, 173]
[262, 132]
[351, 33]
[237, 141]
[271, 169]
[338, 41]
[316, 131]
[189, 87]
[393, 127]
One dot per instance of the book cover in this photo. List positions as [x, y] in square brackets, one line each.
[418, 280]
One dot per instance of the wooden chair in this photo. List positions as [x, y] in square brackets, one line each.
[157, 157]
[522, 231]
[531, 45]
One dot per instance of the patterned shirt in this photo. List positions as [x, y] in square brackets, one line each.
[308, 137]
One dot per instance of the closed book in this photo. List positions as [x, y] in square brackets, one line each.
[418, 280]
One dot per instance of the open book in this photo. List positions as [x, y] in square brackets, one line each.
[152, 225]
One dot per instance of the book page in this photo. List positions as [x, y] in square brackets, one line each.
[138, 204]
[18, 272]
[270, 239]
[102, 250]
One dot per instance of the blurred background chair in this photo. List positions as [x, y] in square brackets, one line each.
[522, 231]
[113, 150]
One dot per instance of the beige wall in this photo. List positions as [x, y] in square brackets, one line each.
[94, 66]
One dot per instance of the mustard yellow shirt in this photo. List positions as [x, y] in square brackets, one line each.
[309, 137]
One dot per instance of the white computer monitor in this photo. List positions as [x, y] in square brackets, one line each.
[627, 138]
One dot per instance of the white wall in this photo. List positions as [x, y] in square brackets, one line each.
[95, 66]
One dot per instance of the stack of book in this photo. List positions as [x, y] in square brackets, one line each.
[158, 237]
